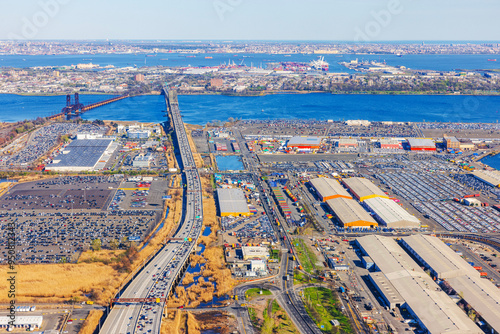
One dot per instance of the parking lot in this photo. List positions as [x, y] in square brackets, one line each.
[58, 218]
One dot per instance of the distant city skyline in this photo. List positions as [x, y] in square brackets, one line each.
[334, 20]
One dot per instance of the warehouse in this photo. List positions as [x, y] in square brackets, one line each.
[491, 178]
[445, 264]
[350, 214]
[387, 143]
[310, 143]
[387, 291]
[232, 202]
[81, 155]
[423, 299]
[254, 252]
[347, 143]
[390, 214]
[363, 189]
[327, 188]
[421, 144]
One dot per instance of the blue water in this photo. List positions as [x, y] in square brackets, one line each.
[492, 161]
[200, 109]
[426, 62]
[207, 231]
[230, 162]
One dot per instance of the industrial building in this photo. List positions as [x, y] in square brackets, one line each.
[138, 134]
[391, 214]
[406, 285]
[142, 161]
[491, 178]
[310, 143]
[82, 155]
[387, 291]
[451, 142]
[363, 189]
[421, 144]
[350, 214]
[254, 252]
[327, 188]
[387, 143]
[347, 143]
[444, 263]
[232, 202]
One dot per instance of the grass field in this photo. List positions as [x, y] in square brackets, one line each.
[272, 319]
[306, 257]
[322, 306]
[252, 293]
[301, 278]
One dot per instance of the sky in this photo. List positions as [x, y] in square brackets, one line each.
[333, 20]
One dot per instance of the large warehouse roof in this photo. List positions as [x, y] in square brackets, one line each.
[390, 213]
[478, 292]
[421, 143]
[81, 154]
[350, 213]
[232, 202]
[490, 177]
[435, 310]
[304, 141]
[437, 256]
[329, 188]
[363, 188]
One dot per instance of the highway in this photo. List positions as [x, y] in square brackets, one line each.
[131, 313]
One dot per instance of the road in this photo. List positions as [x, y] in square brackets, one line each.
[156, 280]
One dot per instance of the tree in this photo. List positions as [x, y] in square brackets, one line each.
[113, 244]
[96, 244]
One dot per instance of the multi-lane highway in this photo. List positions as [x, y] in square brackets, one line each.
[139, 308]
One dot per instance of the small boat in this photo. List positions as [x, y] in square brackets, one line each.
[492, 60]
[208, 57]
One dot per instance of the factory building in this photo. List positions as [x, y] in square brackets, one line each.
[387, 291]
[347, 143]
[83, 155]
[310, 143]
[254, 252]
[350, 214]
[451, 142]
[363, 189]
[390, 214]
[142, 161]
[491, 178]
[392, 144]
[328, 189]
[138, 134]
[421, 144]
[232, 202]
[405, 284]
[444, 263]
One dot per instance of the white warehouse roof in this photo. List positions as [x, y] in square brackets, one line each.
[478, 292]
[391, 214]
[232, 201]
[432, 307]
[328, 188]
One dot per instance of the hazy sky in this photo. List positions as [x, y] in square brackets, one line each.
[373, 20]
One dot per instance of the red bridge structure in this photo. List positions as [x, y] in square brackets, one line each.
[75, 109]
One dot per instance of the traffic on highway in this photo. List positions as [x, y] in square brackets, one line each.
[139, 308]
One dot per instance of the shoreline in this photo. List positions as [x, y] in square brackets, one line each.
[390, 93]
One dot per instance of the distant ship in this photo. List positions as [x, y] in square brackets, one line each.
[208, 57]
[492, 60]
[320, 64]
